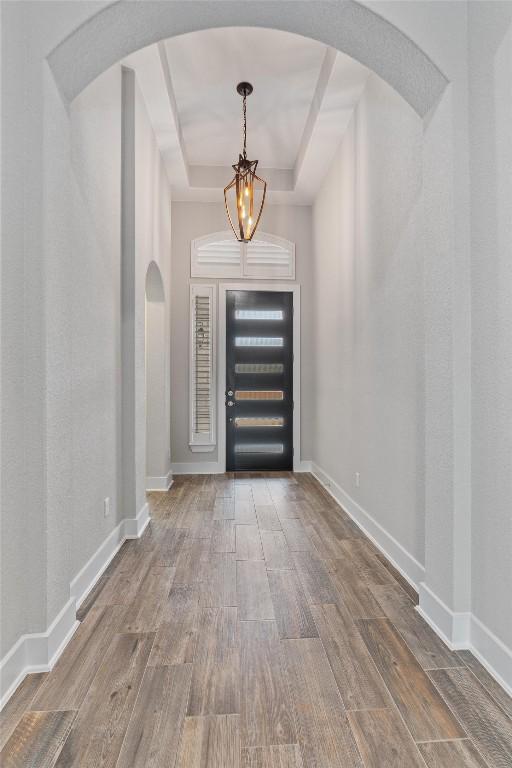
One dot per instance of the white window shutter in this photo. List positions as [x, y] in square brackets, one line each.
[202, 367]
[220, 255]
[268, 256]
[217, 255]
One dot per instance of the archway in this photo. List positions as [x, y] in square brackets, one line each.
[158, 475]
[121, 28]
[351, 27]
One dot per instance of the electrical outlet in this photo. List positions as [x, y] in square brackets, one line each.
[106, 506]
[357, 479]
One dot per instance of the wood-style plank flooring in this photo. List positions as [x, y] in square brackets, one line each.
[254, 626]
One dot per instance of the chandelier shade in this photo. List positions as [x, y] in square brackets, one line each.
[244, 196]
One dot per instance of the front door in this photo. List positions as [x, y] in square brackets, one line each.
[259, 380]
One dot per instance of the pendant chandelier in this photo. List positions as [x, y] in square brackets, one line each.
[244, 196]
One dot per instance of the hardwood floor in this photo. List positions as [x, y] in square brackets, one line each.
[18, 704]
[254, 626]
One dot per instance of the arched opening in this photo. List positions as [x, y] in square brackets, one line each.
[121, 28]
[366, 37]
[158, 476]
[350, 27]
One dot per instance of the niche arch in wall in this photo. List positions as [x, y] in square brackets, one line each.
[158, 476]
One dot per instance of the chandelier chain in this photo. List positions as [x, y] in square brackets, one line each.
[245, 124]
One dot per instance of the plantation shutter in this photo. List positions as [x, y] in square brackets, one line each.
[220, 255]
[217, 255]
[269, 256]
[202, 368]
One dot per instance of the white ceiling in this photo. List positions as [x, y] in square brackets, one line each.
[206, 67]
[304, 95]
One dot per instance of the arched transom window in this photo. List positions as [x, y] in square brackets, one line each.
[220, 255]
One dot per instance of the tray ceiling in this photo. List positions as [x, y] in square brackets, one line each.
[304, 95]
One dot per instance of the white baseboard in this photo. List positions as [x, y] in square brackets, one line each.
[133, 527]
[197, 468]
[159, 483]
[303, 466]
[464, 631]
[454, 628]
[36, 652]
[402, 560]
[39, 651]
[492, 653]
[86, 578]
[458, 630]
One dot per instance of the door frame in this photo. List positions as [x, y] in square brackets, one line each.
[221, 370]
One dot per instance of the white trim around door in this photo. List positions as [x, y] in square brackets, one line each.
[221, 369]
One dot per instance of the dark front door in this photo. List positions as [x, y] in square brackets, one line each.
[259, 380]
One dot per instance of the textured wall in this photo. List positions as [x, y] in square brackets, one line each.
[61, 313]
[369, 343]
[191, 220]
[23, 546]
[94, 309]
[83, 289]
[490, 60]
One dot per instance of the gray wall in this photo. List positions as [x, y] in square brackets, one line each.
[369, 341]
[23, 545]
[80, 286]
[62, 318]
[490, 60]
[95, 324]
[191, 220]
